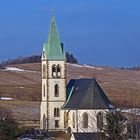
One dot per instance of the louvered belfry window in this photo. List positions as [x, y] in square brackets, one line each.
[58, 71]
[54, 71]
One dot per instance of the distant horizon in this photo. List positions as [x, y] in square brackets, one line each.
[75, 63]
[100, 33]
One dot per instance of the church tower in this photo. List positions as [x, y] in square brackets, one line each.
[53, 82]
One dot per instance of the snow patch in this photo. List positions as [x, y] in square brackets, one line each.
[111, 106]
[14, 69]
[82, 76]
[21, 87]
[135, 111]
[106, 82]
[99, 68]
[87, 66]
[6, 98]
[76, 65]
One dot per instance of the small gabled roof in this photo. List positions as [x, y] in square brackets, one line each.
[54, 48]
[86, 94]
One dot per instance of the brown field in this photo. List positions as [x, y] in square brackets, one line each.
[23, 110]
[122, 86]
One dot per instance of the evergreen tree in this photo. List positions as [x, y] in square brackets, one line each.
[34, 59]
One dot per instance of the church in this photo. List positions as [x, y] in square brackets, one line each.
[79, 106]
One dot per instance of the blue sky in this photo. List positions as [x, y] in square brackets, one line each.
[98, 32]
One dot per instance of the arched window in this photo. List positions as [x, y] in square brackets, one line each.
[100, 120]
[56, 112]
[85, 120]
[44, 90]
[44, 122]
[58, 71]
[54, 71]
[56, 90]
[73, 119]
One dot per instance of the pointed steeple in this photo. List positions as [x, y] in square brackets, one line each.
[53, 47]
[53, 18]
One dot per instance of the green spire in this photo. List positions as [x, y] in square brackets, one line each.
[53, 47]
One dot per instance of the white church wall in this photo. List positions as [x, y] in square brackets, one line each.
[92, 120]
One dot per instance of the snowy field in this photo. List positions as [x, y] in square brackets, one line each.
[14, 69]
[85, 66]
[135, 111]
[6, 98]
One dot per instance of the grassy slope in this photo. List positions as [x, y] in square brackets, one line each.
[121, 86]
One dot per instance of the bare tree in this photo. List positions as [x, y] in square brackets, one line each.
[133, 112]
[116, 126]
[5, 113]
[108, 125]
[8, 126]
